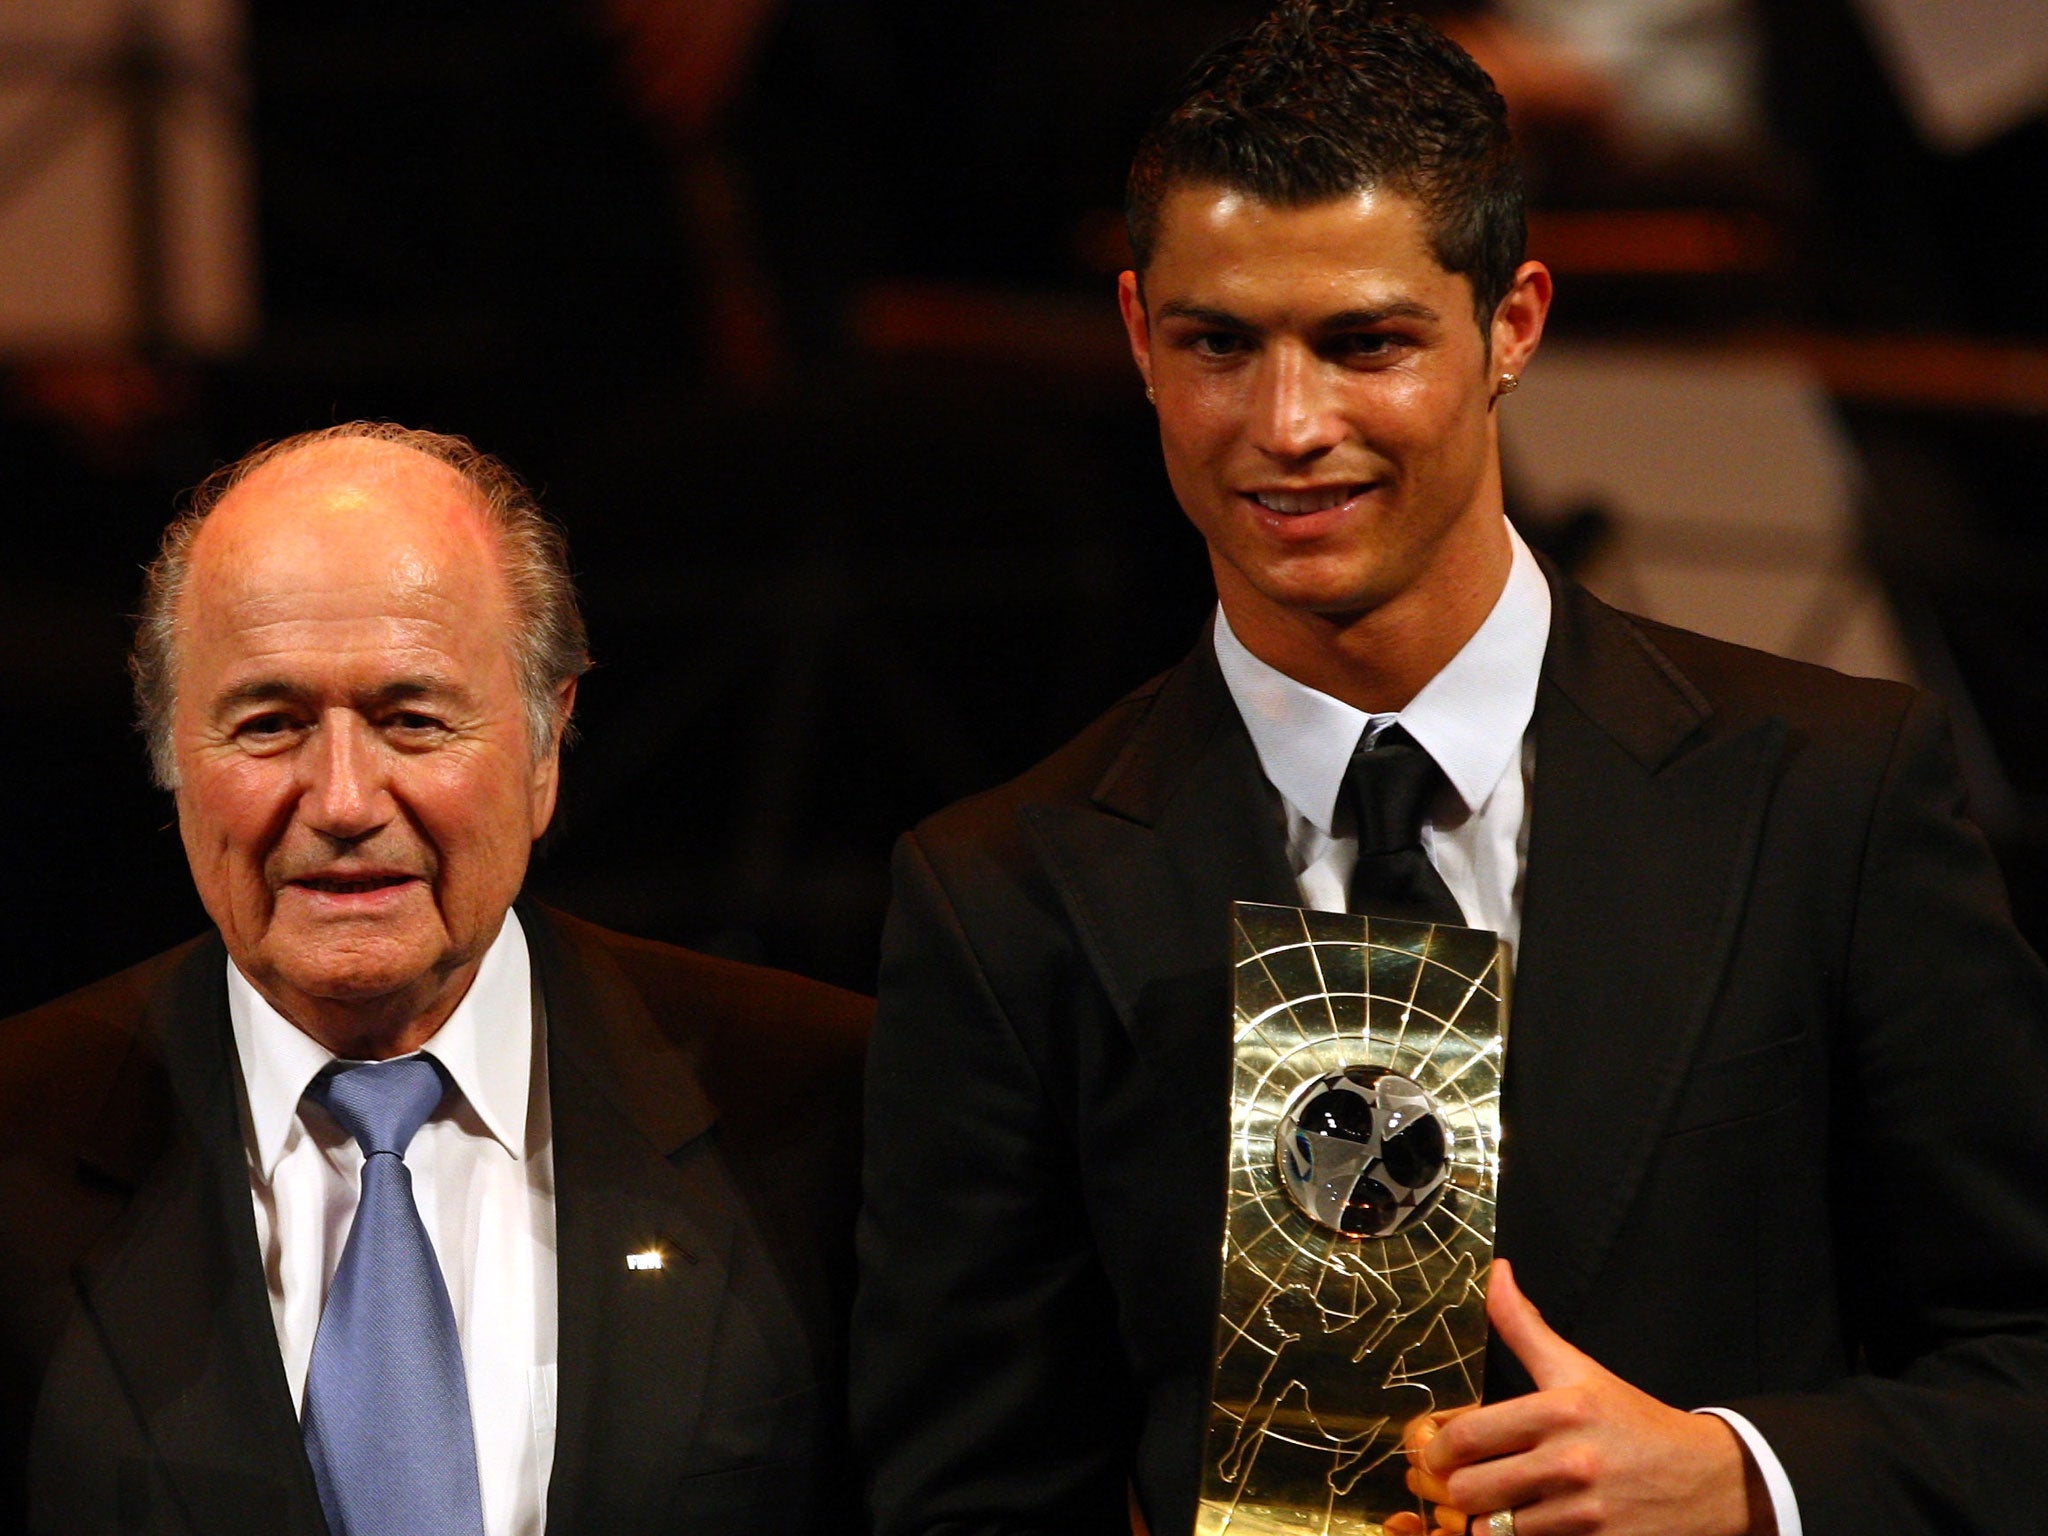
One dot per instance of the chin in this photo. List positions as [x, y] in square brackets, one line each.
[1327, 595]
[358, 974]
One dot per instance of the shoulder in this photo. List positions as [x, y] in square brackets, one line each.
[1848, 742]
[1856, 766]
[1746, 684]
[59, 1061]
[736, 1022]
[986, 826]
[1721, 689]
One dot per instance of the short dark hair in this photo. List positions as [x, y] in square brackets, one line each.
[1324, 98]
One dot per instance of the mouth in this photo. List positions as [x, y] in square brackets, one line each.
[1310, 500]
[351, 884]
[1307, 515]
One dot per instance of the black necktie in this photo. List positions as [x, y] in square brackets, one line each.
[1389, 785]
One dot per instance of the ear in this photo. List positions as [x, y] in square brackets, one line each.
[547, 768]
[1130, 299]
[1518, 318]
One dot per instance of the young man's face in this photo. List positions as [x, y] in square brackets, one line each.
[1325, 401]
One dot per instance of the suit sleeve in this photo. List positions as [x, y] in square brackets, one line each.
[1941, 1108]
[990, 1394]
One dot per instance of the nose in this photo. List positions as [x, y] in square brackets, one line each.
[344, 795]
[1294, 417]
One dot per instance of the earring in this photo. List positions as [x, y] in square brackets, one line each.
[1509, 383]
[1149, 395]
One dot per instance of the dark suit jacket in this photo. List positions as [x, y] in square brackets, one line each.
[1775, 1114]
[707, 1106]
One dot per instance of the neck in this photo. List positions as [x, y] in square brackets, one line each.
[1379, 658]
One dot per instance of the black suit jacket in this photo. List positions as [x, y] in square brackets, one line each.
[706, 1106]
[1775, 1113]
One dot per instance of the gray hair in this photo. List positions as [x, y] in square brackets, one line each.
[549, 643]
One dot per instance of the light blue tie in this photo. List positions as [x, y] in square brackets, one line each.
[387, 1407]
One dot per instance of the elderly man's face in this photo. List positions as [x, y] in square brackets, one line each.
[356, 791]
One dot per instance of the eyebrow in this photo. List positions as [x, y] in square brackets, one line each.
[398, 690]
[1181, 309]
[277, 690]
[1343, 320]
[268, 690]
[1396, 309]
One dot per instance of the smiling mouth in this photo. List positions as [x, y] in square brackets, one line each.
[1300, 503]
[353, 885]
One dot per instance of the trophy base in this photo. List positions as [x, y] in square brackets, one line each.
[1249, 1519]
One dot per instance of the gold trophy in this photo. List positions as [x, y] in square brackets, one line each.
[1364, 1150]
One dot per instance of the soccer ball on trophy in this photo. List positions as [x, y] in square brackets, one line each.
[1363, 1152]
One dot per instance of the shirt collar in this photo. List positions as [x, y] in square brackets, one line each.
[1470, 717]
[486, 1045]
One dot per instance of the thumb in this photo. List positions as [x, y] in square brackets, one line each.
[1549, 1360]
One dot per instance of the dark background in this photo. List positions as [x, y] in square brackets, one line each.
[825, 382]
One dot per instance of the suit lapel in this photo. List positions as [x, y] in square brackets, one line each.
[634, 1173]
[1181, 825]
[1643, 835]
[1642, 840]
[176, 1300]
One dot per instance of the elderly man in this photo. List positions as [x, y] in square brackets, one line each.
[1776, 1090]
[390, 1207]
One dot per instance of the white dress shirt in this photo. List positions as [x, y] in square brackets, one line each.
[483, 1176]
[1473, 718]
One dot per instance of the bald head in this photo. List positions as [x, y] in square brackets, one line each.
[348, 493]
[362, 501]
[311, 529]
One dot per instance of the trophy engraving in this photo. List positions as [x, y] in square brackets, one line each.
[1364, 1150]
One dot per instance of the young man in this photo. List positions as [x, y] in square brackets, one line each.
[1778, 1070]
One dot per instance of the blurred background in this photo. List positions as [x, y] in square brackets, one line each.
[800, 315]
